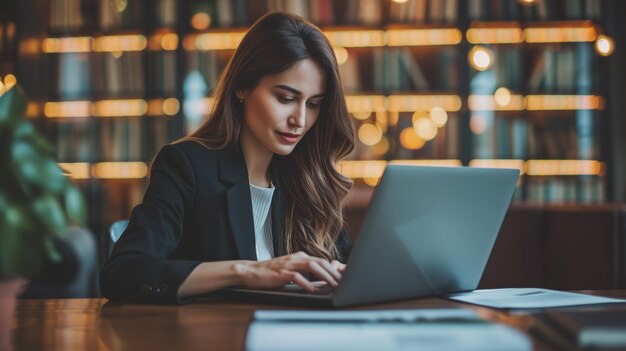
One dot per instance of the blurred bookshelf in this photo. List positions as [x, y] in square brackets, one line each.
[483, 83]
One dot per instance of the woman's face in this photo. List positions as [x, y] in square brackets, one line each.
[283, 107]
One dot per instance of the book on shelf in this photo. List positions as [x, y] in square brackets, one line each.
[120, 15]
[424, 11]
[498, 10]
[349, 73]
[166, 13]
[73, 76]
[322, 12]
[118, 76]
[65, 15]
[163, 80]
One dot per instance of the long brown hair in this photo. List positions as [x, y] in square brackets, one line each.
[312, 188]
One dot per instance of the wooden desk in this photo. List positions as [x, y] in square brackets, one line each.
[208, 324]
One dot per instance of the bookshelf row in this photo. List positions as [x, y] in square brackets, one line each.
[566, 70]
[502, 100]
[480, 33]
[360, 169]
[541, 181]
[105, 16]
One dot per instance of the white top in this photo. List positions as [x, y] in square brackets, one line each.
[262, 214]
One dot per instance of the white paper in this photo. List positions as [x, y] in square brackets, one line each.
[529, 298]
[294, 336]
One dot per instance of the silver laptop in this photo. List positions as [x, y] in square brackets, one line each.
[428, 231]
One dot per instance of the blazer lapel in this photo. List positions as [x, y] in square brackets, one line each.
[278, 218]
[233, 173]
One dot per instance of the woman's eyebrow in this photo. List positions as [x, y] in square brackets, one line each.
[295, 91]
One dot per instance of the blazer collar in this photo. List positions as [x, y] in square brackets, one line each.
[234, 174]
[232, 165]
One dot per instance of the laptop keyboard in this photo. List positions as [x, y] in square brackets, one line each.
[322, 289]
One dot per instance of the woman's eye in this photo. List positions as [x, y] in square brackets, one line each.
[284, 99]
[313, 105]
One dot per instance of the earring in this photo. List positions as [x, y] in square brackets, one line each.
[241, 101]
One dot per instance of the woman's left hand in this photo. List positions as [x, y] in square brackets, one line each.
[340, 267]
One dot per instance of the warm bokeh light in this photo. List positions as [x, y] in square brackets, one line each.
[425, 128]
[356, 38]
[424, 103]
[527, 2]
[214, 41]
[200, 21]
[120, 170]
[501, 163]
[563, 102]
[582, 32]
[69, 44]
[502, 96]
[366, 103]
[169, 42]
[32, 109]
[427, 162]
[30, 46]
[120, 5]
[480, 58]
[341, 54]
[488, 103]
[424, 37]
[370, 134]
[439, 116]
[411, 141]
[361, 116]
[361, 169]
[171, 106]
[120, 108]
[2, 88]
[382, 147]
[121, 43]
[9, 81]
[478, 124]
[76, 170]
[604, 45]
[419, 114]
[494, 35]
[563, 167]
[67, 109]
[400, 1]
[371, 181]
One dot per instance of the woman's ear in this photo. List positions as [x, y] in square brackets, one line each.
[241, 94]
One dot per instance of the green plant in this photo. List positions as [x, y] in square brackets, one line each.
[37, 201]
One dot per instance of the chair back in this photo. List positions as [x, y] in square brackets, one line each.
[116, 229]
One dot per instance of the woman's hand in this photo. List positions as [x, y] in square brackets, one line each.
[340, 267]
[282, 270]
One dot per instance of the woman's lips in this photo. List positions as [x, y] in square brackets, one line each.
[288, 137]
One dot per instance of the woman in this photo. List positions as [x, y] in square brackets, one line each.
[252, 198]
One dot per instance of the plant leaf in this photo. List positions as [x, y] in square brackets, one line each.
[75, 205]
[50, 213]
[12, 106]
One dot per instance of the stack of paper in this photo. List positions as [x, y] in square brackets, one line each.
[424, 329]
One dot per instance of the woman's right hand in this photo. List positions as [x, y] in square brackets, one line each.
[282, 270]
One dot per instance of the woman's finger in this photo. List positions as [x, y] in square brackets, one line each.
[329, 268]
[313, 267]
[340, 267]
[299, 279]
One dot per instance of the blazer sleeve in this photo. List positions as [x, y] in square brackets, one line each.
[139, 269]
[344, 245]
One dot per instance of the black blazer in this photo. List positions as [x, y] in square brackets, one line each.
[196, 208]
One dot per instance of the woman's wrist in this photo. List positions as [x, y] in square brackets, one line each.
[241, 269]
